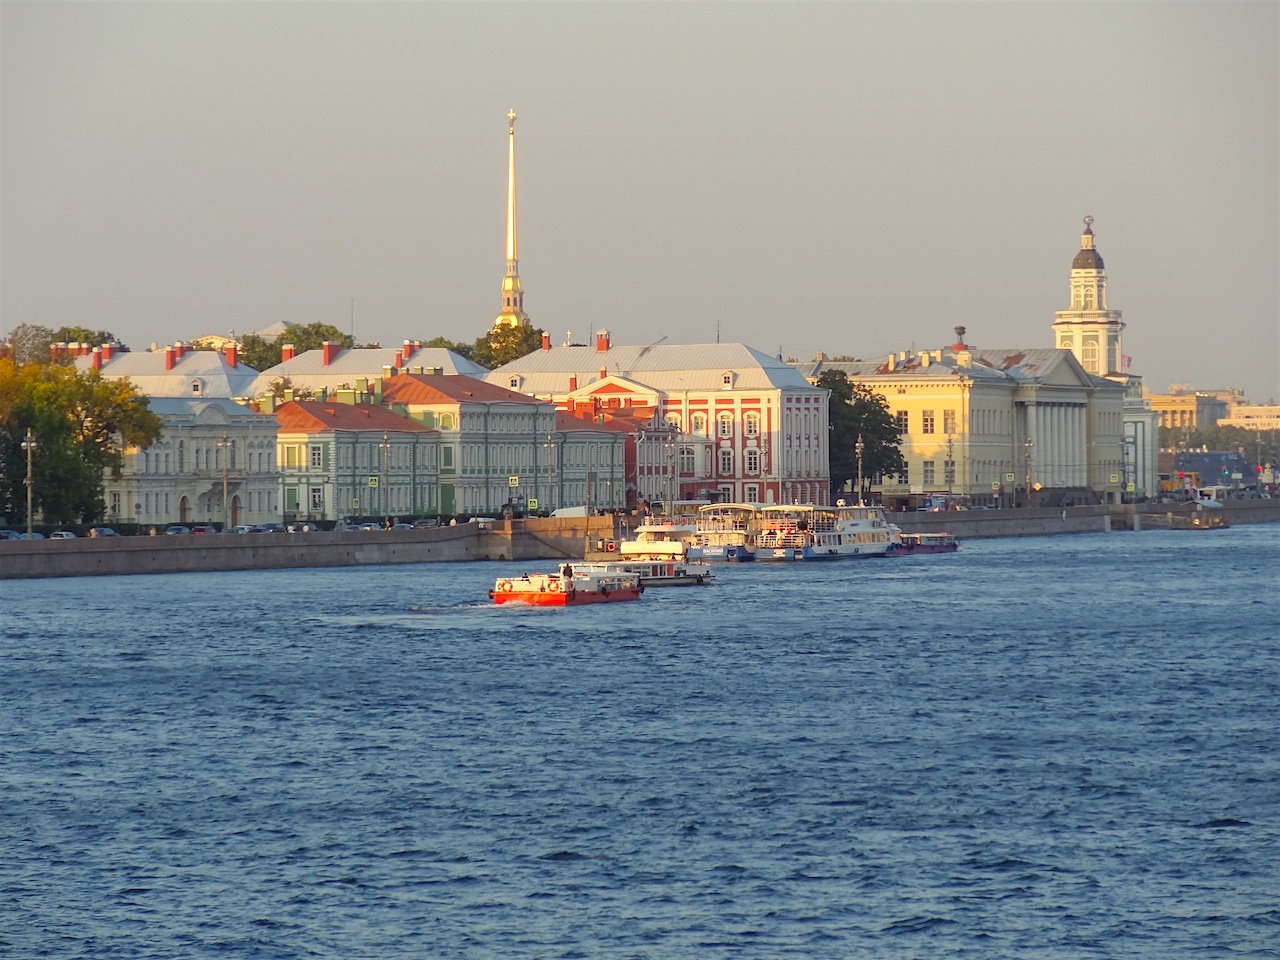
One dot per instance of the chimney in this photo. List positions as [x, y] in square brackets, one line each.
[604, 372]
[107, 348]
[924, 358]
[819, 358]
[232, 354]
[893, 363]
[96, 362]
[330, 351]
[53, 352]
[169, 357]
[287, 352]
[400, 355]
[179, 349]
[573, 382]
[407, 352]
[602, 341]
[546, 341]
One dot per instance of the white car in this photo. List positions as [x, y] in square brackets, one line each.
[62, 535]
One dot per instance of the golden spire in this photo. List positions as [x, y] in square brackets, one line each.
[512, 313]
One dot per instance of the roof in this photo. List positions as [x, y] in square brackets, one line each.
[208, 368]
[211, 409]
[313, 416]
[307, 371]
[1039, 365]
[1087, 260]
[417, 388]
[665, 367]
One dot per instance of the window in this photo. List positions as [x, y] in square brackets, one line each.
[948, 421]
[928, 479]
[752, 461]
[686, 461]
[926, 421]
[751, 424]
[948, 472]
[514, 383]
[195, 387]
[726, 461]
[901, 417]
[726, 379]
[726, 424]
[1089, 356]
[446, 421]
[698, 424]
[182, 455]
[751, 492]
[317, 499]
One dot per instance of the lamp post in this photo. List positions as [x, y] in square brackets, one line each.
[385, 447]
[669, 448]
[1028, 444]
[29, 445]
[224, 446]
[950, 469]
[551, 452]
[857, 451]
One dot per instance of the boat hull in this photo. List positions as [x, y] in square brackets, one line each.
[575, 598]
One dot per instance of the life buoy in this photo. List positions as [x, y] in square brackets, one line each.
[612, 546]
[554, 586]
[504, 586]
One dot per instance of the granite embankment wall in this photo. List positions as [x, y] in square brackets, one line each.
[512, 540]
[534, 539]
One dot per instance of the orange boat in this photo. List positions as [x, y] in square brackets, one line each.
[567, 588]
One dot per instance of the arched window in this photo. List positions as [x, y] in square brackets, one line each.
[698, 424]
[751, 424]
[726, 424]
[686, 461]
[182, 455]
[1089, 357]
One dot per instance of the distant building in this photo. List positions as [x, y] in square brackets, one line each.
[332, 368]
[215, 461]
[709, 421]
[340, 460]
[178, 370]
[1185, 412]
[1261, 417]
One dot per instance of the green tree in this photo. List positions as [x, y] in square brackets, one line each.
[858, 411]
[504, 344]
[95, 338]
[259, 353]
[312, 336]
[464, 350]
[30, 343]
[81, 424]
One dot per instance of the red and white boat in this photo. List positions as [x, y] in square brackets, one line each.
[567, 587]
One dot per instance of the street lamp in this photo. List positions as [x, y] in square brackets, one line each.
[224, 446]
[385, 447]
[857, 450]
[1028, 444]
[29, 445]
[551, 452]
[950, 469]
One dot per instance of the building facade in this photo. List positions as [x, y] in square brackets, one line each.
[707, 421]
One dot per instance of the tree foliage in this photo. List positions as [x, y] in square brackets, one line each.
[464, 350]
[81, 424]
[858, 411]
[1224, 439]
[504, 344]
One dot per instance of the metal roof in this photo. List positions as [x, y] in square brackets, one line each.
[669, 368]
[206, 370]
[307, 371]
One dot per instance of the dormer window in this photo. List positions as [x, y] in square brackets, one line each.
[197, 387]
[726, 379]
[514, 383]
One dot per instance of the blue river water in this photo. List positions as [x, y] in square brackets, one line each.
[1059, 747]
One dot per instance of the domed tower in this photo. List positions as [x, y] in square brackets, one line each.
[512, 313]
[1088, 329]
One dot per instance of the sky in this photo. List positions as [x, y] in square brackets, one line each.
[852, 178]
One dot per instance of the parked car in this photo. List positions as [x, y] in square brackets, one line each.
[62, 535]
[102, 532]
[247, 528]
[272, 528]
[203, 529]
[370, 525]
[176, 530]
[33, 535]
[402, 526]
[10, 535]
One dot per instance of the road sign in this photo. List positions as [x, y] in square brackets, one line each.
[995, 484]
[533, 503]
[1115, 478]
[355, 503]
[373, 482]
[1009, 478]
[513, 481]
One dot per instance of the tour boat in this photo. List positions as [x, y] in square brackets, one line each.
[727, 531]
[803, 532]
[654, 533]
[570, 586]
[913, 543]
[656, 563]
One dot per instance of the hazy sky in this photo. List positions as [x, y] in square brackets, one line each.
[852, 177]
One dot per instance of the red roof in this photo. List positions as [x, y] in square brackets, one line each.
[454, 388]
[312, 416]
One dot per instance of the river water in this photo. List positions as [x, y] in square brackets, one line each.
[1045, 747]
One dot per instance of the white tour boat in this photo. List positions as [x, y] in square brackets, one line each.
[804, 532]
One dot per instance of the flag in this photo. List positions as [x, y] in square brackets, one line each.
[1125, 360]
